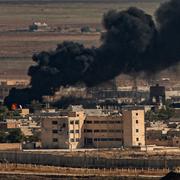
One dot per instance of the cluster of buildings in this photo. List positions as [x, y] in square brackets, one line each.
[111, 125]
[163, 133]
[76, 127]
[92, 128]
[38, 26]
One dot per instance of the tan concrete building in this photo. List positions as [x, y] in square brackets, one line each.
[63, 131]
[133, 127]
[163, 136]
[24, 112]
[9, 124]
[103, 131]
[92, 128]
[176, 141]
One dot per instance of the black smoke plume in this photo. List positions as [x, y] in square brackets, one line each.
[168, 20]
[132, 43]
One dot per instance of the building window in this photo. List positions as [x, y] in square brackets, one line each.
[107, 122]
[96, 122]
[55, 140]
[177, 142]
[88, 130]
[136, 114]
[54, 122]
[72, 140]
[103, 130]
[96, 130]
[71, 122]
[118, 122]
[118, 130]
[77, 131]
[137, 139]
[64, 125]
[88, 122]
[104, 122]
[77, 122]
[71, 131]
[77, 139]
[55, 131]
[137, 122]
[107, 139]
[137, 130]
[88, 141]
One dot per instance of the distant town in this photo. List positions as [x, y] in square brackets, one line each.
[104, 118]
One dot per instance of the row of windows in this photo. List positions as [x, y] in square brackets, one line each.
[103, 122]
[74, 131]
[74, 122]
[55, 140]
[95, 139]
[90, 122]
[74, 140]
[56, 122]
[88, 130]
[55, 131]
[107, 139]
[103, 130]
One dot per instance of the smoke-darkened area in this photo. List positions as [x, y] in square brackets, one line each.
[168, 24]
[132, 43]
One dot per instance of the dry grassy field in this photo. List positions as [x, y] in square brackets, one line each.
[17, 47]
[16, 15]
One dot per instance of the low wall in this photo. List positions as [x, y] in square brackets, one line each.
[89, 162]
[10, 146]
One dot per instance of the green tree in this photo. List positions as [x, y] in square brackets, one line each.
[3, 136]
[161, 114]
[15, 136]
[3, 112]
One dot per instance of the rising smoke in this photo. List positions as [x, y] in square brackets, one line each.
[132, 43]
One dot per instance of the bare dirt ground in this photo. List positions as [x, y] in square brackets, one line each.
[17, 48]
[49, 172]
[20, 14]
[25, 44]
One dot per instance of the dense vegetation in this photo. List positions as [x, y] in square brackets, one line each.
[160, 114]
[11, 136]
